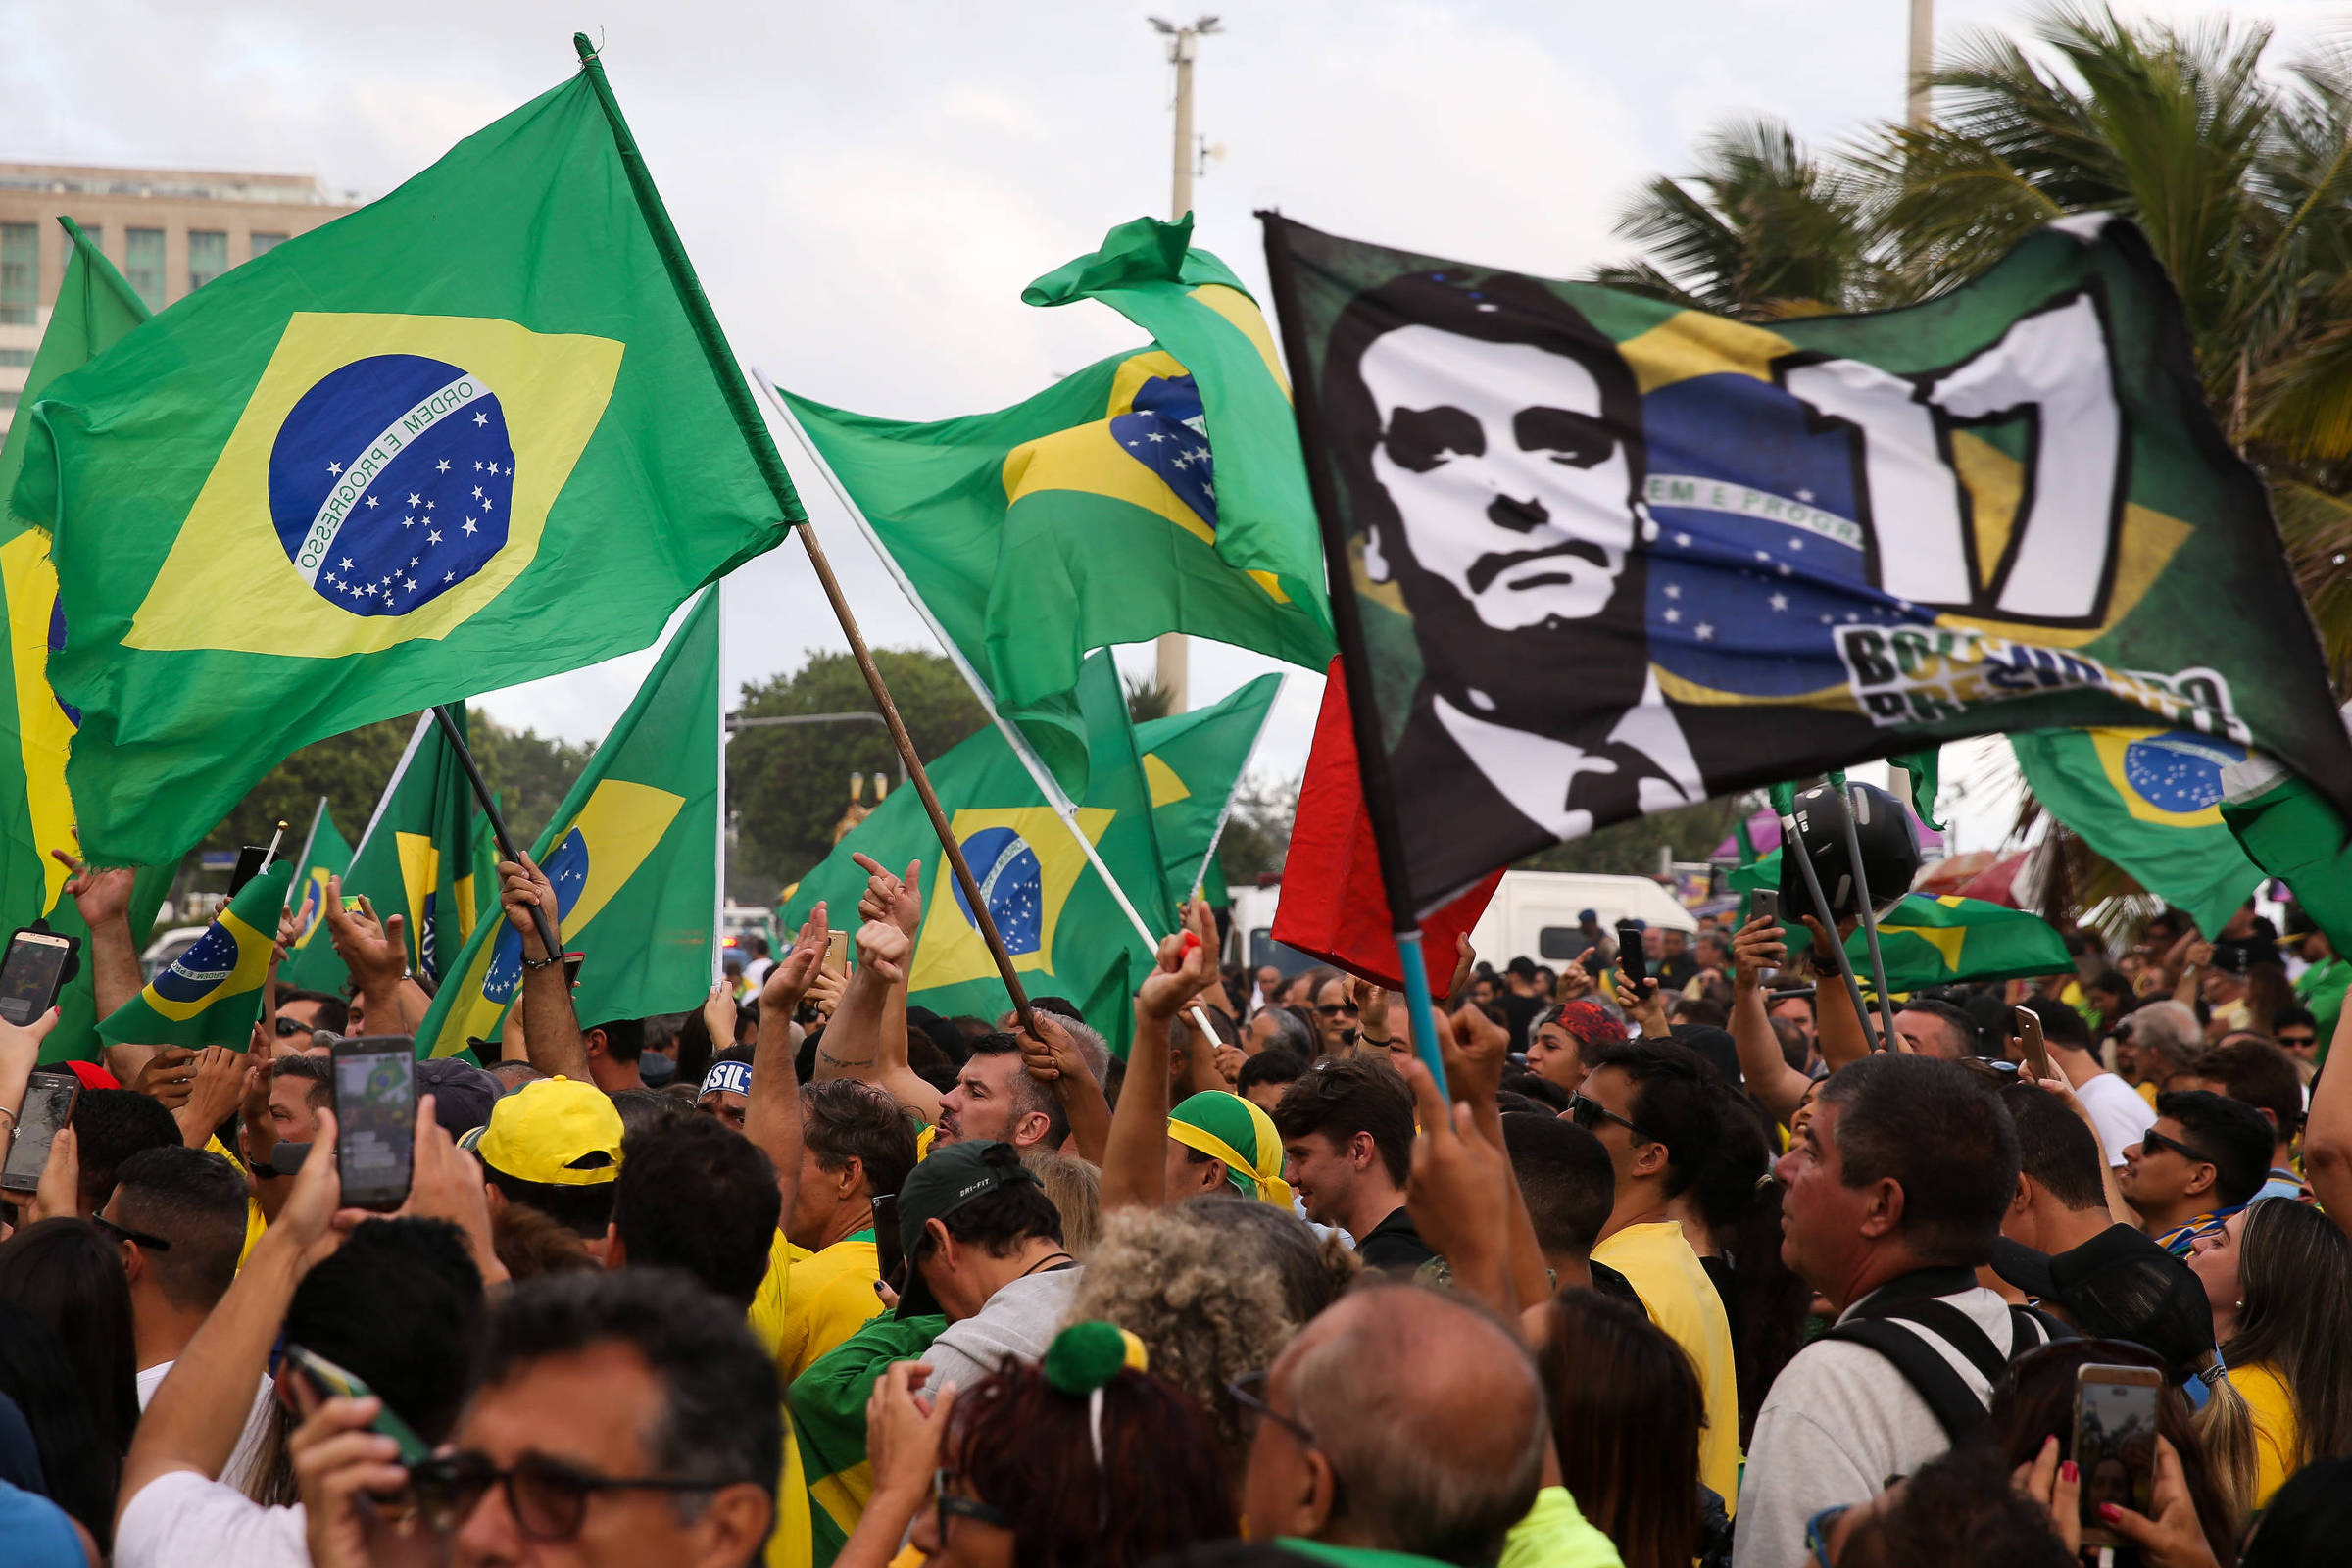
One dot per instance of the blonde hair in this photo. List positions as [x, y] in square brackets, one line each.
[1075, 1185]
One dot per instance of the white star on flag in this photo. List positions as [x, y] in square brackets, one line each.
[371, 501]
[414, 498]
[334, 468]
[413, 559]
[1779, 600]
[469, 525]
[442, 465]
[478, 489]
[407, 523]
[1674, 617]
[489, 502]
[346, 563]
[479, 418]
[1674, 590]
[432, 536]
[1706, 632]
[449, 576]
[410, 583]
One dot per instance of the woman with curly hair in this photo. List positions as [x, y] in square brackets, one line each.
[1084, 1460]
[1205, 1308]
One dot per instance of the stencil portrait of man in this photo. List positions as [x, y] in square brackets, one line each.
[1489, 438]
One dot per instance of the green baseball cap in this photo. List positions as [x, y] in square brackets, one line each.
[951, 1176]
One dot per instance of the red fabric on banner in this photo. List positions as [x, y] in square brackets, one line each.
[1333, 903]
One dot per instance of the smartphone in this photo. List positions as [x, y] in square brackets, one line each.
[332, 1382]
[251, 857]
[48, 1105]
[353, 904]
[837, 953]
[1765, 904]
[376, 1118]
[38, 965]
[1628, 953]
[2115, 1442]
[888, 1254]
[2029, 1040]
[572, 968]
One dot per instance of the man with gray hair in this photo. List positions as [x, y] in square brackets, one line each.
[2167, 1040]
[1403, 1420]
[1279, 1028]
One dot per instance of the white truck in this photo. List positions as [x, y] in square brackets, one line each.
[1532, 912]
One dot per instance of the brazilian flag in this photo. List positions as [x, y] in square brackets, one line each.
[633, 854]
[211, 994]
[483, 430]
[2149, 799]
[415, 861]
[1192, 762]
[1063, 927]
[325, 854]
[1944, 941]
[1157, 490]
[95, 308]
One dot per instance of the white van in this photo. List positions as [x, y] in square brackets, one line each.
[1532, 912]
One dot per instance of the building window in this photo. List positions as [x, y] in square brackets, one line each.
[264, 244]
[20, 273]
[15, 359]
[8, 398]
[143, 264]
[208, 256]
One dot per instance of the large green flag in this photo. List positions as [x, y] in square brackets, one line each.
[482, 430]
[1595, 554]
[2294, 833]
[1944, 941]
[1192, 762]
[1062, 926]
[95, 307]
[312, 964]
[211, 994]
[2149, 799]
[1157, 490]
[633, 854]
[415, 859]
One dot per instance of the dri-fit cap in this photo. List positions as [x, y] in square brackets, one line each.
[554, 1131]
[2120, 1285]
[951, 1176]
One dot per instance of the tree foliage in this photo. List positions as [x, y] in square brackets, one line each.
[529, 771]
[1257, 830]
[788, 785]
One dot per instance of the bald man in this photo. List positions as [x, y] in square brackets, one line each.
[1401, 1419]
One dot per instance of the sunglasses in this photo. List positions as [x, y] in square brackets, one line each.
[123, 1233]
[287, 1027]
[1589, 1113]
[954, 1505]
[2152, 1138]
[2291, 1041]
[1334, 1009]
[548, 1498]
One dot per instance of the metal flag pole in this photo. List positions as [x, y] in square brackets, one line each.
[498, 824]
[1033, 764]
[1849, 794]
[718, 901]
[1792, 843]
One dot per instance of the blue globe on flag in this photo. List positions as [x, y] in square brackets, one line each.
[2179, 770]
[391, 482]
[1012, 884]
[200, 971]
[566, 869]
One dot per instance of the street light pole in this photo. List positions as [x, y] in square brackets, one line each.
[1183, 44]
[1923, 60]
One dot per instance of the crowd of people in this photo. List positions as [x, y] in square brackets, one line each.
[1675, 1263]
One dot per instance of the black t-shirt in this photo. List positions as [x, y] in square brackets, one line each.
[1672, 974]
[1521, 1011]
[1393, 1246]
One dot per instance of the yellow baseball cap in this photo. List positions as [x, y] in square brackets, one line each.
[554, 1131]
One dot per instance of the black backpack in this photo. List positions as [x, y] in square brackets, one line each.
[1905, 1330]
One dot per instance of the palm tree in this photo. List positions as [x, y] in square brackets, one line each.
[1761, 230]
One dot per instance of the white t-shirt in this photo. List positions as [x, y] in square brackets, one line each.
[188, 1522]
[2117, 1110]
[1838, 1421]
[246, 1459]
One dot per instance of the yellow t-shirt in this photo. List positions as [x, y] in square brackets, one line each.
[832, 1298]
[254, 1223]
[790, 1546]
[2277, 1433]
[1681, 1299]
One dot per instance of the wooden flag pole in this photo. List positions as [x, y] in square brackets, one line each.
[973, 896]
[498, 824]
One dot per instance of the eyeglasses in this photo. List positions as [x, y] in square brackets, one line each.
[123, 1233]
[548, 1498]
[1332, 1009]
[1589, 1113]
[2292, 1041]
[1249, 1390]
[955, 1505]
[2152, 1138]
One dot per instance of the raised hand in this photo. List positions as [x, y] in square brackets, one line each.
[1465, 965]
[883, 947]
[376, 955]
[892, 897]
[1475, 1050]
[1576, 980]
[1455, 1194]
[1050, 1054]
[1761, 944]
[1188, 961]
[167, 1077]
[220, 1081]
[790, 977]
[520, 885]
[1371, 1010]
[99, 895]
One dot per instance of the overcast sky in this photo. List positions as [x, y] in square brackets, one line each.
[866, 188]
